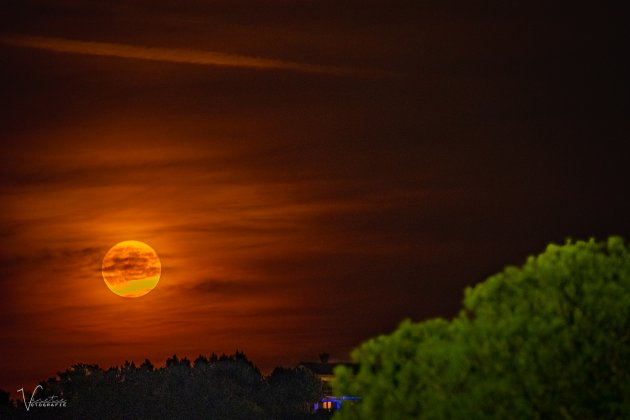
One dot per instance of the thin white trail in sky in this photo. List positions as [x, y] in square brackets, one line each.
[180, 55]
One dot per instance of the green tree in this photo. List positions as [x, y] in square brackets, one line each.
[550, 339]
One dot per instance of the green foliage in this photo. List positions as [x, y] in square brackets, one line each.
[550, 339]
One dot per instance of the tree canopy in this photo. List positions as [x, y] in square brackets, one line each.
[550, 339]
[224, 387]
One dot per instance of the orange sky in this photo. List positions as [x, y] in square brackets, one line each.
[351, 166]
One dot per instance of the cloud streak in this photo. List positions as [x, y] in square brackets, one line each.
[181, 55]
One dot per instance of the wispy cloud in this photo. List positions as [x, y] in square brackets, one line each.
[180, 55]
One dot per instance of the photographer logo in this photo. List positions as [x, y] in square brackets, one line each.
[52, 401]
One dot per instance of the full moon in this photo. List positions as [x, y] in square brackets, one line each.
[131, 269]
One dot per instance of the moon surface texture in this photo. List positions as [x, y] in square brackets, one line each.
[131, 269]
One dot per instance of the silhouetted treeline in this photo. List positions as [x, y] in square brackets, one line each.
[225, 387]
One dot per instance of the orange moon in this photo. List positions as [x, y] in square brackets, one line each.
[131, 269]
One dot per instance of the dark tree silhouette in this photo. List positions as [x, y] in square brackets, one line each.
[291, 392]
[7, 405]
[225, 387]
[5, 399]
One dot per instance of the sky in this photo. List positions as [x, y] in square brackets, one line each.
[310, 173]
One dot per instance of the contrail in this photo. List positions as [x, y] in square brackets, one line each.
[180, 55]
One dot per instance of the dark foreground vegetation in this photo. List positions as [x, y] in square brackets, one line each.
[226, 387]
[548, 340]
